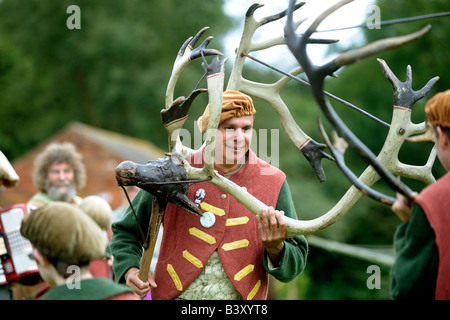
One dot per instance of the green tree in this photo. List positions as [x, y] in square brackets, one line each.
[111, 73]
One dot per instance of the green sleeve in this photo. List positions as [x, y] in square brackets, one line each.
[414, 272]
[293, 260]
[126, 241]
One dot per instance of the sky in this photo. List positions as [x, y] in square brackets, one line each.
[352, 14]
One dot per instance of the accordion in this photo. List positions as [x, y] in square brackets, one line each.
[17, 262]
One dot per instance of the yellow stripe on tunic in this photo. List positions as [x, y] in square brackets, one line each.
[217, 211]
[176, 280]
[255, 289]
[237, 221]
[192, 259]
[202, 235]
[244, 271]
[235, 245]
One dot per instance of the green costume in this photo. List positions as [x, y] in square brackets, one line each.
[415, 269]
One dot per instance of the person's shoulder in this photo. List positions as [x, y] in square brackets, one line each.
[38, 200]
[440, 187]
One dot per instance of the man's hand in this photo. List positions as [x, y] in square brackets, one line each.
[272, 232]
[140, 287]
[402, 207]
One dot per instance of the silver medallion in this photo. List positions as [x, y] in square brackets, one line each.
[208, 219]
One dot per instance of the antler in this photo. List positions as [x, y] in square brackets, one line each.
[404, 99]
[312, 150]
[176, 112]
[401, 128]
[8, 176]
[316, 76]
[186, 54]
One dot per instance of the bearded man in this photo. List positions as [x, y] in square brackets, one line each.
[59, 173]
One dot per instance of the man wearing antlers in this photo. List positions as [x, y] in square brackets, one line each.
[228, 252]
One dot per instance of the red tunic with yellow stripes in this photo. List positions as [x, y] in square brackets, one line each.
[187, 245]
[435, 202]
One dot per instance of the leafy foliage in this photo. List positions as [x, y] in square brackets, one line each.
[111, 73]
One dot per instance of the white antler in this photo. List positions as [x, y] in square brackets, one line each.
[175, 113]
[402, 128]
[8, 176]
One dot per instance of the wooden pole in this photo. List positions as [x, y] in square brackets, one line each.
[156, 218]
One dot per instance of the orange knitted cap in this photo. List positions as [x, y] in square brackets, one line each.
[438, 109]
[234, 104]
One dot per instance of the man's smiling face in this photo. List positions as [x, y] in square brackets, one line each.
[233, 140]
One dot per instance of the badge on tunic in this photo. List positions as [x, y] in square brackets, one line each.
[208, 219]
[199, 196]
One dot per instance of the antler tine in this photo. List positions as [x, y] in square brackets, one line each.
[400, 98]
[184, 46]
[195, 39]
[174, 118]
[186, 54]
[201, 50]
[251, 10]
[427, 136]
[281, 40]
[280, 15]
[297, 44]
[371, 49]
